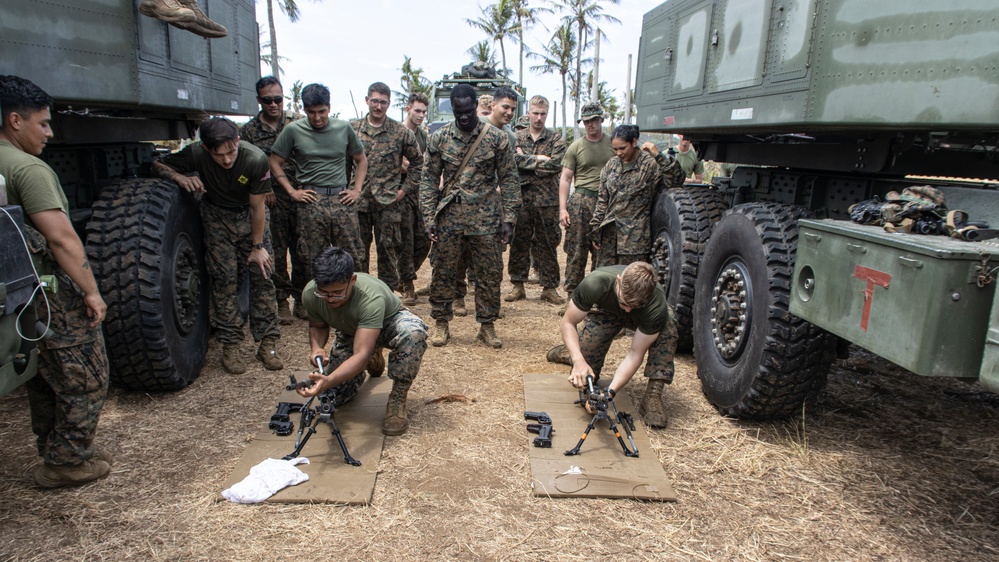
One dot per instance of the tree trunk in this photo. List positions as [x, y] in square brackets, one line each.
[578, 80]
[563, 106]
[520, 70]
[275, 69]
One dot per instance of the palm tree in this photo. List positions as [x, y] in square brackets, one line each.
[482, 52]
[606, 99]
[295, 105]
[497, 21]
[557, 57]
[584, 14]
[527, 17]
[411, 81]
[290, 8]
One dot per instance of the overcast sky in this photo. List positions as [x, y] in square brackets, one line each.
[347, 45]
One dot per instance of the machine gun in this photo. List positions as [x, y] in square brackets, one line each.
[596, 402]
[313, 416]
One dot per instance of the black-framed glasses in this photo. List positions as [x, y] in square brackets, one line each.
[378, 102]
[275, 100]
[334, 297]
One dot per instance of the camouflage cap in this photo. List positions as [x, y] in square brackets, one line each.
[590, 111]
[523, 122]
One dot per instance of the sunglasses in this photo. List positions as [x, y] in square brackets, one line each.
[276, 100]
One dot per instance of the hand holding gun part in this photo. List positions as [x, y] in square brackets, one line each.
[311, 417]
[544, 431]
[296, 384]
[596, 403]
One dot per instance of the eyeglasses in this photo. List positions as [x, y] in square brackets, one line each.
[276, 100]
[378, 102]
[335, 297]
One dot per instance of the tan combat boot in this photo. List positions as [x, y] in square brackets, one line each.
[299, 310]
[232, 359]
[201, 25]
[551, 295]
[651, 408]
[285, 317]
[169, 11]
[52, 476]
[559, 354]
[376, 365]
[442, 334]
[423, 291]
[458, 307]
[487, 335]
[396, 421]
[517, 293]
[408, 293]
[268, 355]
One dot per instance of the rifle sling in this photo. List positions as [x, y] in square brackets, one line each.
[464, 161]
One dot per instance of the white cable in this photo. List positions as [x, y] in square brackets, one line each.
[38, 286]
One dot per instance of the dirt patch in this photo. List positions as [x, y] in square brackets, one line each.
[887, 465]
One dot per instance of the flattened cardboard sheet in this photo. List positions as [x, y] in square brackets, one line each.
[330, 479]
[600, 470]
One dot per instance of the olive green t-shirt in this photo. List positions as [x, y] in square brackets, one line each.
[319, 155]
[598, 288]
[370, 305]
[586, 158]
[250, 173]
[690, 162]
[31, 183]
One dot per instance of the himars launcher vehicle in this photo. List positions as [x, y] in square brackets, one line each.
[121, 80]
[823, 104]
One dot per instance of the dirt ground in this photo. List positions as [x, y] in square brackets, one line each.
[886, 466]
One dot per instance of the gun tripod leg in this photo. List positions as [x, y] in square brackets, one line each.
[301, 444]
[346, 454]
[627, 452]
[575, 450]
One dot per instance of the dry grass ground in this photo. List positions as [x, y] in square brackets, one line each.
[886, 466]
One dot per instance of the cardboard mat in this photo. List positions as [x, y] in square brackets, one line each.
[330, 479]
[600, 470]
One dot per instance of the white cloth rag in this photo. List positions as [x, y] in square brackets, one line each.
[267, 479]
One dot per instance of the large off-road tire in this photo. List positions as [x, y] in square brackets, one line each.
[145, 244]
[755, 360]
[682, 220]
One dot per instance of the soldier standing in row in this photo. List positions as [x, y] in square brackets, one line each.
[318, 147]
[261, 131]
[691, 162]
[539, 161]
[234, 177]
[468, 213]
[415, 244]
[68, 393]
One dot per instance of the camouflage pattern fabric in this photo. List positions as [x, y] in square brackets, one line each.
[608, 254]
[671, 171]
[262, 136]
[538, 232]
[484, 255]
[386, 223]
[624, 202]
[66, 398]
[405, 335]
[415, 244]
[327, 222]
[577, 243]
[599, 330]
[228, 242]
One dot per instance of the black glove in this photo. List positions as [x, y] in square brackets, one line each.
[431, 232]
[506, 232]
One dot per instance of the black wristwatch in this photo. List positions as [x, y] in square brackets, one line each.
[259, 246]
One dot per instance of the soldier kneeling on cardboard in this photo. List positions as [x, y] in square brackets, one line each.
[367, 315]
[625, 297]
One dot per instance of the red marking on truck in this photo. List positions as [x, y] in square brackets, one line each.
[668, 120]
[872, 277]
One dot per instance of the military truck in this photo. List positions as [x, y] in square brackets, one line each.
[824, 104]
[483, 79]
[120, 81]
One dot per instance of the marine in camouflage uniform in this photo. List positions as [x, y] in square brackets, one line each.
[620, 224]
[538, 230]
[283, 227]
[68, 392]
[472, 215]
[385, 147]
[415, 244]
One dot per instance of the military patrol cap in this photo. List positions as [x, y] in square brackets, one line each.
[523, 122]
[591, 110]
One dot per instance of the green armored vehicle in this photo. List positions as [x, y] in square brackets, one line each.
[824, 104]
[120, 80]
[483, 79]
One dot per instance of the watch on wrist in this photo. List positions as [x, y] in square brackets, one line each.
[259, 246]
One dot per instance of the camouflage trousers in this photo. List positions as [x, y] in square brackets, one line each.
[577, 246]
[284, 234]
[228, 241]
[608, 255]
[327, 222]
[385, 222]
[415, 244]
[66, 398]
[405, 335]
[537, 233]
[453, 253]
[597, 334]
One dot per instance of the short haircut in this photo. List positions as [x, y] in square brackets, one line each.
[380, 88]
[315, 94]
[638, 282]
[217, 131]
[268, 81]
[332, 265]
[505, 92]
[627, 133]
[540, 101]
[22, 97]
[486, 102]
[418, 97]
[462, 92]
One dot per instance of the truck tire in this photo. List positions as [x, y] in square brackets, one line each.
[145, 244]
[682, 220]
[755, 360]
